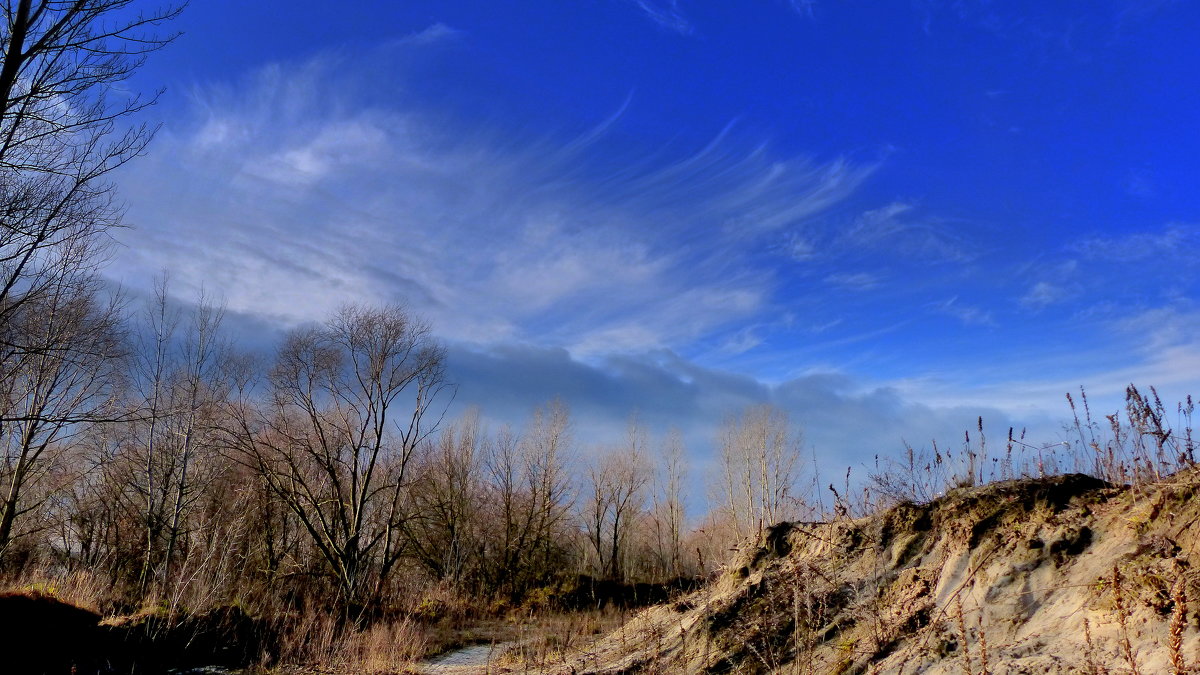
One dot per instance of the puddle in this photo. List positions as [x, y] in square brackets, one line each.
[475, 655]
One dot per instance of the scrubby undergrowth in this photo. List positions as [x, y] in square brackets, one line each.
[1068, 574]
[1057, 575]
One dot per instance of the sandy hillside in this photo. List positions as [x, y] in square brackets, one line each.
[1014, 577]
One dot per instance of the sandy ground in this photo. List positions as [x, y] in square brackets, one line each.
[1063, 575]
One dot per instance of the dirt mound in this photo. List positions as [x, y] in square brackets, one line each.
[225, 637]
[1057, 575]
[42, 635]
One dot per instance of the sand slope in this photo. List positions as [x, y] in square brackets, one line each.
[1014, 577]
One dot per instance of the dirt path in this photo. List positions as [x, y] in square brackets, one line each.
[473, 659]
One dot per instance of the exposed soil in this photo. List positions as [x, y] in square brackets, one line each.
[1014, 577]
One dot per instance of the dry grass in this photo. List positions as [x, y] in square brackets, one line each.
[322, 640]
[81, 588]
[553, 638]
[385, 647]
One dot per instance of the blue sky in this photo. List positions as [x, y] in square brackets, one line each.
[888, 219]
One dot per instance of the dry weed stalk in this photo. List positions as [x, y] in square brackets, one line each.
[1178, 619]
[1089, 651]
[983, 654]
[1089, 645]
[1123, 619]
[962, 630]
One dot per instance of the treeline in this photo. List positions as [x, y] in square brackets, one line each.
[144, 447]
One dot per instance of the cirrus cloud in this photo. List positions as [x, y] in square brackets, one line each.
[299, 188]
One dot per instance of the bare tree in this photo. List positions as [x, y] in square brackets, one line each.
[335, 442]
[200, 387]
[177, 382]
[668, 513]
[152, 364]
[67, 378]
[443, 525]
[760, 452]
[615, 490]
[60, 135]
[529, 501]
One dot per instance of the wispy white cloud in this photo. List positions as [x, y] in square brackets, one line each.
[856, 281]
[883, 220]
[667, 14]
[897, 228]
[800, 247]
[300, 188]
[436, 33]
[1165, 328]
[1177, 241]
[1043, 294]
[1050, 282]
[896, 232]
[822, 327]
[968, 314]
[742, 341]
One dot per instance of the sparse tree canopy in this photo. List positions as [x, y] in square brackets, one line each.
[350, 402]
[61, 131]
